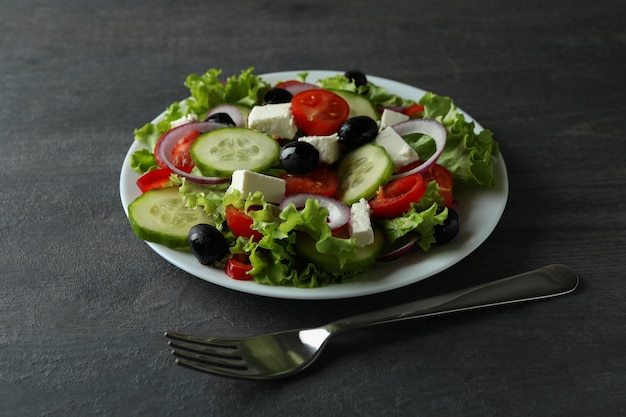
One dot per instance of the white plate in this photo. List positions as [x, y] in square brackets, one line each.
[480, 210]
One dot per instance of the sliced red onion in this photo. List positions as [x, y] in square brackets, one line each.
[428, 127]
[338, 213]
[229, 109]
[295, 87]
[399, 248]
[163, 149]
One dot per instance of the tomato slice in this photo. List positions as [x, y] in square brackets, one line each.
[157, 178]
[180, 156]
[414, 110]
[320, 181]
[319, 112]
[396, 197]
[444, 179]
[238, 266]
[240, 223]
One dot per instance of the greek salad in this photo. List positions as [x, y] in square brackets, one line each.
[303, 184]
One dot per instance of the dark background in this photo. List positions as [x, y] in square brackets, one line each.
[84, 303]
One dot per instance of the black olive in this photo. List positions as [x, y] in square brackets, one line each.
[277, 95]
[299, 158]
[357, 131]
[449, 229]
[207, 243]
[221, 118]
[358, 77]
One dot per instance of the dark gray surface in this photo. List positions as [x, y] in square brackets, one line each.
[84, 303]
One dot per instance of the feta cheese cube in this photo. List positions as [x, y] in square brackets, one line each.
[191, 117]
[273, 119]
[360, 225]
[400, 152]
[390, 118]
[327, 146]
[246, 182]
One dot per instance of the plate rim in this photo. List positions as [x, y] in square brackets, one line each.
[363, 284]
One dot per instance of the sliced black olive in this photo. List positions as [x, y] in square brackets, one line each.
[357, 131]
[299, 158]
[277, 95]
[449, 229]
[221, 118]
[207, 243]
[357, 76]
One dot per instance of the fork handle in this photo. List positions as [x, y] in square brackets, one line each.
[548, 281]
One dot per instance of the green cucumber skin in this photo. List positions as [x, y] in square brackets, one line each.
[148, 227]
[365, 256]
[359, 105]
[263, 146]
[352, 165]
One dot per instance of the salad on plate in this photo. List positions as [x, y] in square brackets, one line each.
[304, 183]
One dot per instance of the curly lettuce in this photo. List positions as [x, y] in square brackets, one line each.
[467, 154]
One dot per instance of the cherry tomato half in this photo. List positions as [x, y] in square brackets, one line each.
[180, 156]
[319, 112]
[396, 197]
[240, 223]
[157, 178]
[238, 266]
[320, 181]
[444, 179]
[414, 110]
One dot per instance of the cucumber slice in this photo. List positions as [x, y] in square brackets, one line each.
[362, 171]
[160, 216]
[364, 258]
[359, 105]
[221, 152]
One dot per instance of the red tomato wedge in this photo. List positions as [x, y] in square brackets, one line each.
[238, 266]
[157, 178]
[240, 223]
[444, 179]
[320, 181]
[396, 197]
[319, 112]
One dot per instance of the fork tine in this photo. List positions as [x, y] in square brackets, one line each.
[234, 362]
[211, 350]
[208, 341]
[219, 370]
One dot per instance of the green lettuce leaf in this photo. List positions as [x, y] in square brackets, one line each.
[208, 91]
[468, 155]
[142, 161]
[208, 196]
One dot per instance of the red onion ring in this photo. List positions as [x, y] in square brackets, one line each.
[295, 87]
[399, 248]
[167, 141]
[338, 213]
[428, 127]
[230, 110]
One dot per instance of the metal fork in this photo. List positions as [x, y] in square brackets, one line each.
[285, 353]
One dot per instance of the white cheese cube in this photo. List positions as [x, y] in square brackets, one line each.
[191, 117]
[327, 146]
[400, 152]
[390, 118]
[360, 225]
[273, 119]
[246, 182]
